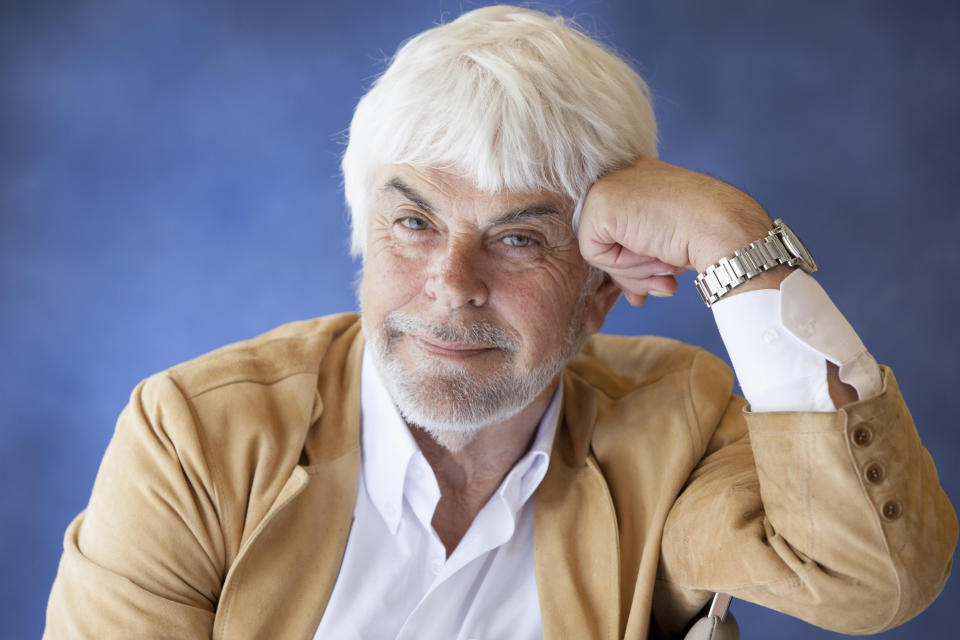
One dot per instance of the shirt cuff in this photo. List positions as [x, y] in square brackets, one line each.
[780, 341]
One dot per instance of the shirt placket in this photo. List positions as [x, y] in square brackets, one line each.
[492, 527]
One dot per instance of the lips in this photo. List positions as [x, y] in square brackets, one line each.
[456, 350]
[450, 340]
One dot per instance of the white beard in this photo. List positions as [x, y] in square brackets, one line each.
[442, 397]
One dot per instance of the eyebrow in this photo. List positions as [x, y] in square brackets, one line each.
[526, 213]
[396, 184]
[516, 215]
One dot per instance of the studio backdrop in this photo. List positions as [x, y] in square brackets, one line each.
[169, 183]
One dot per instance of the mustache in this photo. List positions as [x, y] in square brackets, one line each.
[484, 333]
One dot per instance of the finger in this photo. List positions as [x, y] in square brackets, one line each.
[633, 284]
[611, 255]
[642, 272]
[658, 286]
[614, 257]
[634, 299]
[662, 286]
[650, 268]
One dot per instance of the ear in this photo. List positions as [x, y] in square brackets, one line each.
[599, 304]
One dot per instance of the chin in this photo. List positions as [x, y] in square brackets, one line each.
[454, 399]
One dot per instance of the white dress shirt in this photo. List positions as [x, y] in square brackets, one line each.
[396, 581]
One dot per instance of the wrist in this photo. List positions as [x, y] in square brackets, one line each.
[760, 264]
[734, 220]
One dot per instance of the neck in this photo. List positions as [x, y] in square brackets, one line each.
[471, 474]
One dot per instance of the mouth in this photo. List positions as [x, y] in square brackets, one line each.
[452, 350]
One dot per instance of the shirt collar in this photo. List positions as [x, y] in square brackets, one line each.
[525, 476]
[386, 445]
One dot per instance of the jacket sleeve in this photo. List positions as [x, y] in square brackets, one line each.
[835, 518]
[146, 558]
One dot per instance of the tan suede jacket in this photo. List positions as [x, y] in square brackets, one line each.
[224, 501]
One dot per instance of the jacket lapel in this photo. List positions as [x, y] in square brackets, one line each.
[282, 578]
[576, 548]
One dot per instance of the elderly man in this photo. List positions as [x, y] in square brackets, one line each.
[463, 459]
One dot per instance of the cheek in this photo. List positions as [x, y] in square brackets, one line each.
[542, 291]
[388, 283]
[530, 302]
[541, 314]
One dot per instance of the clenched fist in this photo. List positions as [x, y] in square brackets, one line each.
[648, 222]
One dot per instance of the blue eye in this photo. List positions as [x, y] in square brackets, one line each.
[414, 223]
[518, 240]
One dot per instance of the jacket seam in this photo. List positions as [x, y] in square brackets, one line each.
[246, 380]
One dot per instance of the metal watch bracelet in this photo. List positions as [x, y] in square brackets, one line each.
[780, 246]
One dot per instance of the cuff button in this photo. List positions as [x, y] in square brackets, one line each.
[862, 436]
[891, 510]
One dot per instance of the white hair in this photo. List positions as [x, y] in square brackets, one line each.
[511, 98]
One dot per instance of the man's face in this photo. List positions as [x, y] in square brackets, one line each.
[472, 302]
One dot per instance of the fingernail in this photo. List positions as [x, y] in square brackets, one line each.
[665, 273]
[661, 294]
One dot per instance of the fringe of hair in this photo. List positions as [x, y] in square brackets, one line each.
[510, 98]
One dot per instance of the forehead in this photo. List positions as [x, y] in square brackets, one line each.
[446, 193]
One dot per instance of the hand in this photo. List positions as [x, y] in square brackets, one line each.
[648, 222]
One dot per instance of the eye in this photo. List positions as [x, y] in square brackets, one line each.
[518, 240]
[414, 223]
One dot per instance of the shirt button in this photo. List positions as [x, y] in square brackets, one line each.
[770, 336]
[862, 436]
[808, 328]
[437, 566]
[891, 510]
[874, 472]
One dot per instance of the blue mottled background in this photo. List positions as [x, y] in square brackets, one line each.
[169, 183]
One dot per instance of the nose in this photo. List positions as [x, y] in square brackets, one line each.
[454, 278]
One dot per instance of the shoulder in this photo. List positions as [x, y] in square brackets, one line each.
[297, 348]
[252, 404]
[651, 392]
[236, 422]
[266, 387]
[620, 365]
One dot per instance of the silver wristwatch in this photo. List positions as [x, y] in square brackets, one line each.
[780, 246]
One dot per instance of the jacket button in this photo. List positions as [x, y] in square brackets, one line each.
[891, 510]
[874, 472]
[862, 436]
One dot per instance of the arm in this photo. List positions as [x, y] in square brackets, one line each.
[154, 492]
[650, 221]
[791, 514]
[782, 511]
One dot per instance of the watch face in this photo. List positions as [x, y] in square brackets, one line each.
[796, 247]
